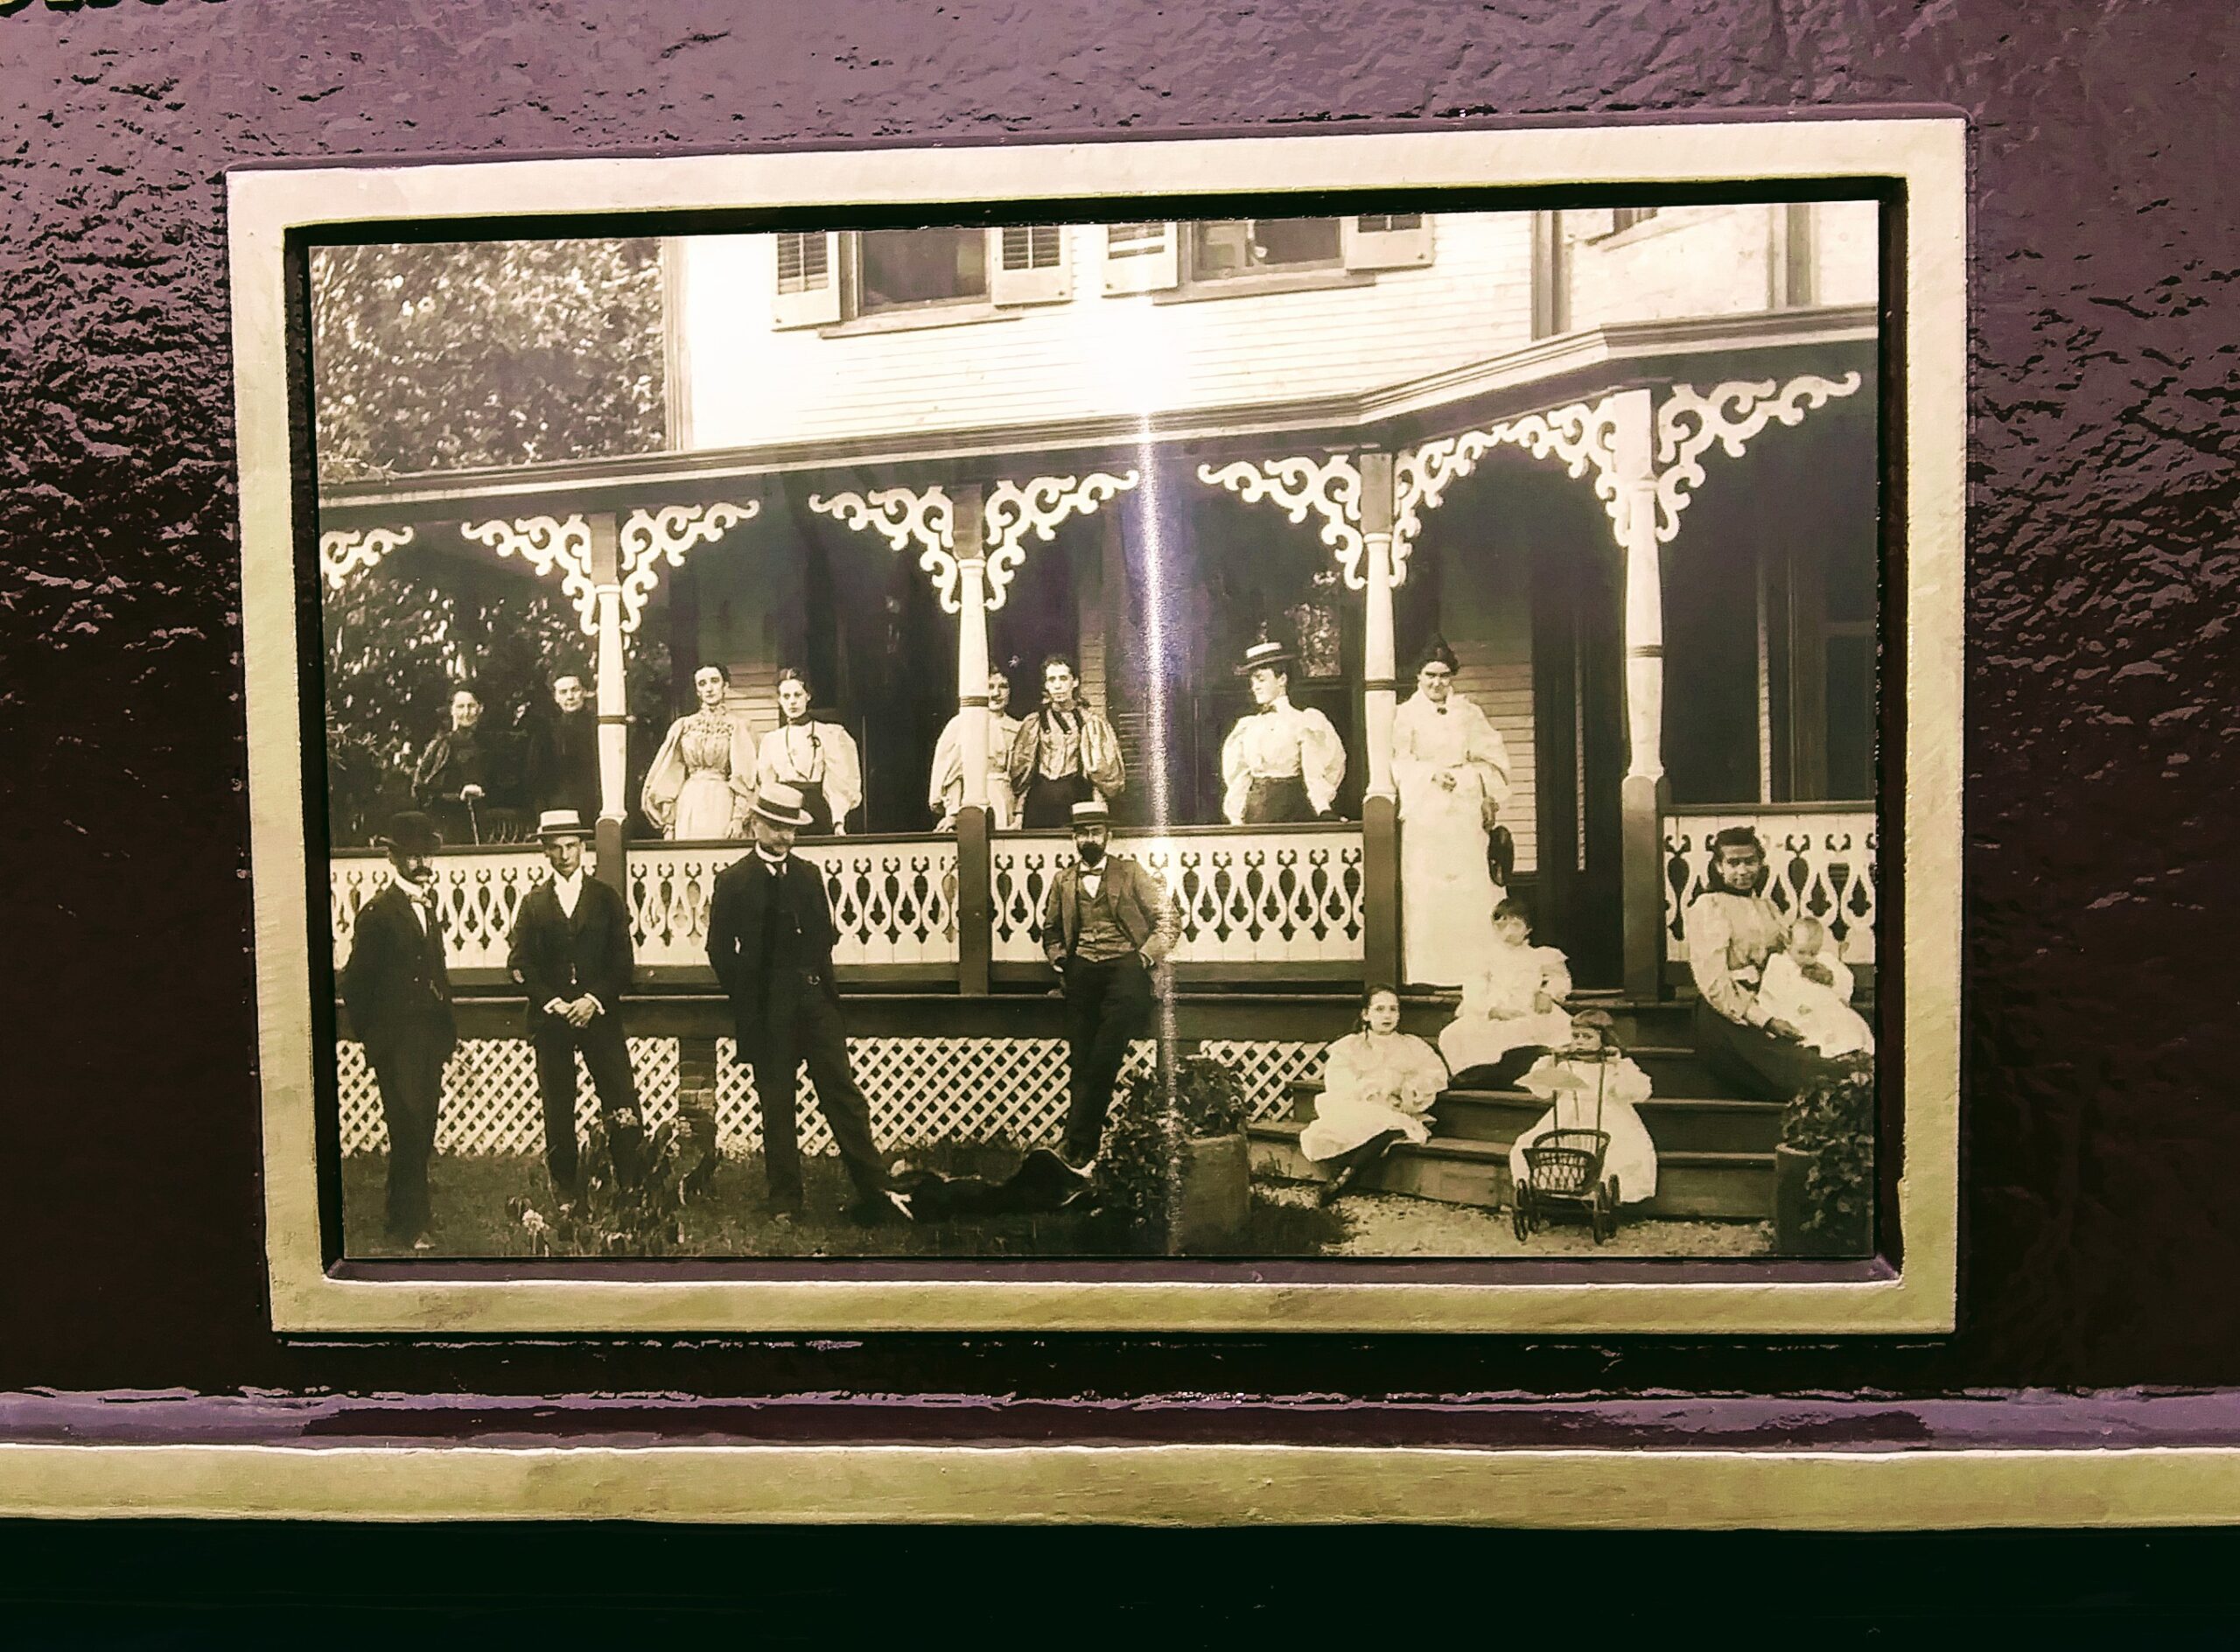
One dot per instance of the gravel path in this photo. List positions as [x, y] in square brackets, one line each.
[1394, 1225]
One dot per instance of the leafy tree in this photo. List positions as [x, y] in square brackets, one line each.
[444, 355]
[447, 355]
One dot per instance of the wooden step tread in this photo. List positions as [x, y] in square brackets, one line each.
[1287, 1129]
[1662, 1104]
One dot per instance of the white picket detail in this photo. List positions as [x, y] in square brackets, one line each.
[1264, 894]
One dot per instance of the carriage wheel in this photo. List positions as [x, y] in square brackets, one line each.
[1601, 1215]
[1517, 1219]
[1611, 1182]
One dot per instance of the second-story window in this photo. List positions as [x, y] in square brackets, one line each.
[1225, 247]
[824, 278]
[907, 268]
[1217, 257]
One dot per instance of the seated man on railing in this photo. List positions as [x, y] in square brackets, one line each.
[1732, 929]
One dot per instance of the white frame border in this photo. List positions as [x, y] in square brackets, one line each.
[1926, 156]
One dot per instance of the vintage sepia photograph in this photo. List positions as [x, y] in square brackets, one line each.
[1287, 738]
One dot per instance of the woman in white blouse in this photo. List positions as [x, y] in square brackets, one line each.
[818, 760]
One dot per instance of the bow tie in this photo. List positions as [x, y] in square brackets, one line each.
[1441, 710]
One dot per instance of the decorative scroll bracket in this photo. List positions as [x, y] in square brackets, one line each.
[1039, 505]
[547, 544]
[343, 553]
[1331, 489]
[1688, 424]
[1580, 437]
[905, 517]
[648, 539]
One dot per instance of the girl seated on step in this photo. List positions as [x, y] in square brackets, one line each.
[1586, 1080]
[1377, 1088]
[1809, 987]
[1512, 1007]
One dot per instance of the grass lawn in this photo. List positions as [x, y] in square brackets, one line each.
[469, 1195]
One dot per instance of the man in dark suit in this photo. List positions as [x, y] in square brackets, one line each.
[1106, 926]
[563, 751]
[571, 953]
[770, 938]
[399, 995]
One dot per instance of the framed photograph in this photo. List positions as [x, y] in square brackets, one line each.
[1343, 733]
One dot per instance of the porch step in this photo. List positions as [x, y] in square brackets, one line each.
[1693, 1124]
[1695, 1185]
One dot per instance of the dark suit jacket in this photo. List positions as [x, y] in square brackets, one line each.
[564, 763]
[747, 901]
[555, 956]
[1146, 914]
[396, 983]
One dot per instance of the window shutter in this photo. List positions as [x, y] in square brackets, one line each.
[1027, 263]
[1386, 240]
[807, 291]
[1142, 257]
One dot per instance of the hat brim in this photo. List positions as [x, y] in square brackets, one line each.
[428, 845]
[1272, 662]
[546, 832]
[778, 818]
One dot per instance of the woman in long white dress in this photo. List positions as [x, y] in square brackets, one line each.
[1589, 1081]
[1451, 770]
[1378, 1085]
[1510, 1006]
[702, 778]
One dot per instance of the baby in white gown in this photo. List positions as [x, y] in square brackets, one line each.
[1821, 1011]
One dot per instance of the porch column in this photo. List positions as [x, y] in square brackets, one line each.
[1641, 797]
[1380, 800]
[976, 913]
[614, 700]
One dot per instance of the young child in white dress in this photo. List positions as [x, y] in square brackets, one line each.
[1572, 1079]
[1820, 1009]
[1512, 1003]
[1377, 1089]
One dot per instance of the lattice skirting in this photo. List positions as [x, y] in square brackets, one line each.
[921, 1089]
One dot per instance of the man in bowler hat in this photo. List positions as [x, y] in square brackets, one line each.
[571, 953]
[770, 938]
[399, 995]
[1106, 925]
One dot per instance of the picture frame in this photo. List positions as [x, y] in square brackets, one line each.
[1914, 166]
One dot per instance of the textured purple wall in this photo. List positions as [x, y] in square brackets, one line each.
[2102, 1230]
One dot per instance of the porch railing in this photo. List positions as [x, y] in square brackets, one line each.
[893, 899]
[1819, 860]
[1270, 896]
[1264, 895]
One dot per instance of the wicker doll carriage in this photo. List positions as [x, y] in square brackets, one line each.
[1564, 1169]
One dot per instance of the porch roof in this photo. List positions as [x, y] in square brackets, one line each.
[1549, 372]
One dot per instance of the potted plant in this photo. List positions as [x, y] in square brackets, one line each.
[1824, 1170]
[1174, 1158]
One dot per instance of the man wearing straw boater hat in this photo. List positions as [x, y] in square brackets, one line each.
[1280, 762]
[571, 953]
[1106, 925]
[399, 995]
[770, 938]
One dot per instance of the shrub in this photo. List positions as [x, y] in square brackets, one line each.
[1833, 1121]
[1153, 1113]
[632, 1200]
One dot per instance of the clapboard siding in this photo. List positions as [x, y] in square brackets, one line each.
[1502, 689]
[1847, 254]
[1687, 261]
[1093, 356]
